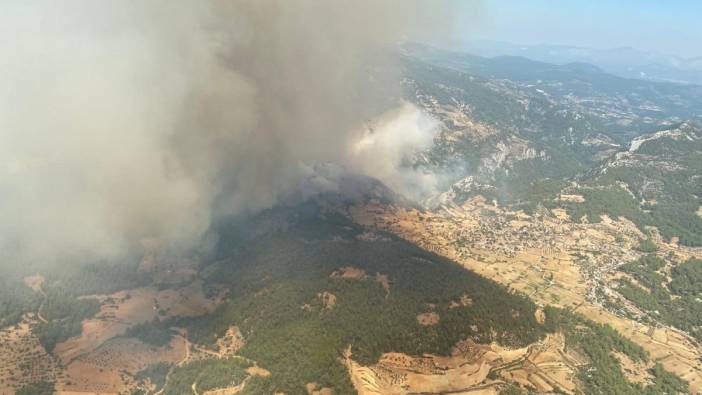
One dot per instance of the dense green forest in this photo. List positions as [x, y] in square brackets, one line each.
[59, 301]
[39, 388]
[663, 186]
[273, 276]
[155, 333]
[64, 314]
[64, 310]
[687, 278]
[647, 246]
[675, 303]
[676, 197]
[207, 375]
[155, 373]
[97, 277]
[15, 299]
[603, 375]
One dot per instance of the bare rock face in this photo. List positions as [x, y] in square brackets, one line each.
[507, 153]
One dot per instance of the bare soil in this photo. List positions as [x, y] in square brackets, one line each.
[328, 299]
[350, 272]
[545, 365]
[22, 358]
[428, 319]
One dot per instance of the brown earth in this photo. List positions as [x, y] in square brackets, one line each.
[328, 299]
[34, 282]
[383, 280]
[463, 301]
[20, 347]
[428, 319]
[544, 365]
[349, 272]
[354, 273]
[124, 309]
[230, 343]
[571, 198]
[636, 372]
[316, 389]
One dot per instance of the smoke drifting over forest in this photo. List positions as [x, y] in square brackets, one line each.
[129, 122]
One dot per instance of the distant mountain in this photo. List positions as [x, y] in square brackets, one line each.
[625, 62]
[619, 103]
[524, 132]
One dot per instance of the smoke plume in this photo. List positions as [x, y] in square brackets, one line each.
[127, 122]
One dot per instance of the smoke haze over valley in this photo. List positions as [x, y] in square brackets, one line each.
[332, 197]
[132, 123]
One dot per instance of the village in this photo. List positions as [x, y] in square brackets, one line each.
[550, 258]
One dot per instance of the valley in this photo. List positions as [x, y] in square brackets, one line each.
[552, 260]
[559, 252]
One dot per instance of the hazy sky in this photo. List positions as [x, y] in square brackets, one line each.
[666, 26]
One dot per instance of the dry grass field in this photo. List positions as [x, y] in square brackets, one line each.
[124, 309]
[23, 359]
[471, 368]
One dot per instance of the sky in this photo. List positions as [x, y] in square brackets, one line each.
[671, 27]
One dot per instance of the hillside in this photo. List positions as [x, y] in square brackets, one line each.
[557, 258]
[306, 298]
[524, 133]
[656, 181]
[324, 302]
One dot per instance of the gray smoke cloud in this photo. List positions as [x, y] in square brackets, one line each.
[125, 124]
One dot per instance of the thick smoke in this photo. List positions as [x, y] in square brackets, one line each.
[128, 123]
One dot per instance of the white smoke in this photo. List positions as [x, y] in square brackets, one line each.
[124, 122]
[386, 148]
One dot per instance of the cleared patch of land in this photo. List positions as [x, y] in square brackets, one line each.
[328, 299]
[316, 389]
[571, 198]
[349, 272]
[383, 280]
[101, 359]
[111, 367]
[428, 319]
[124, 309]
[34, 282]
[637, 372]
[463, 301]
[471, 368]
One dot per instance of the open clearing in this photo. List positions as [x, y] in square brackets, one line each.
[103, 370]
[349, 272]
[101, 359]
[123, 309]
[544, 365]
[428, 319]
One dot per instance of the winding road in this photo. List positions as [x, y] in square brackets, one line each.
[179, 363]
